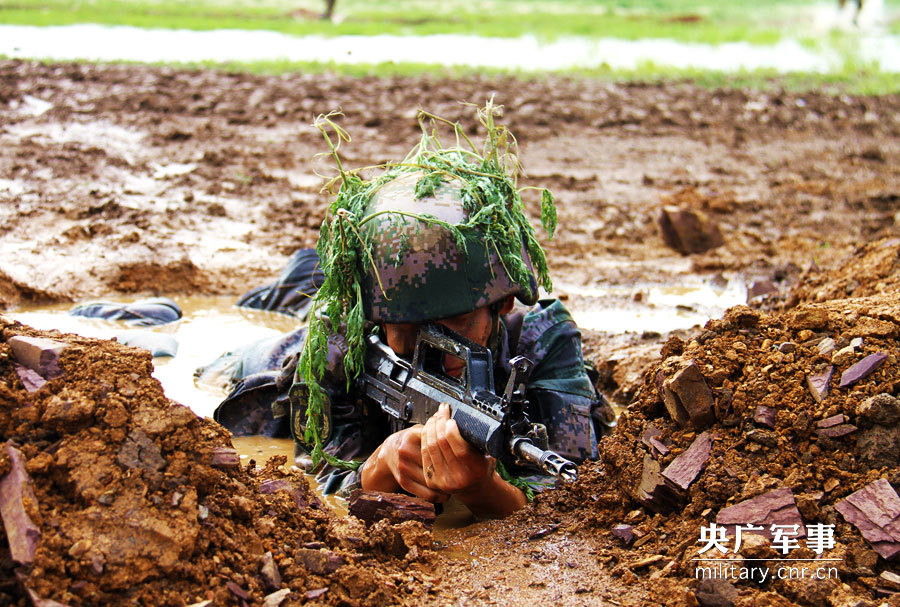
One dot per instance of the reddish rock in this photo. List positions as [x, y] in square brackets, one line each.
[760, 287]
[650, 431]
[314, 594]
[834, 420]
[139, 451]
[15, 490]
[371, 506]
[875, 511]
[658, 446]
[684, 469]
[818, 384]
[30, 379]
[775, 507]
[225, 457]
[836, 431]
[649, 438]
[862, 369]
[889, 580]
[687, 390]
[269, 572]
[275, 485]
[319, 562]
[655, 491]
[765, 416]
[716, 592]
[39, 354]
[624, 533]
[688, 231]
[237, 590]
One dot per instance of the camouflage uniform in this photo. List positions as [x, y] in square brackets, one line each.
[417, 271]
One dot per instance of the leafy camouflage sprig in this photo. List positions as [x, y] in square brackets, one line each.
[495, 216]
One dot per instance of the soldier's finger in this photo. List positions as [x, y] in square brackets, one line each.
[435, 460]
[443, 442]
[458, 445]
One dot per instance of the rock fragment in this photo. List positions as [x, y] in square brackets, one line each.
[765, 416]
[836, 431]
[875, 511]
[826, 346]
[775, 507]
[716, 592]
[654, 491]
[862, 369]
[688, 231]
[879, 446]
[16, 493]
[665, 491]
[843, 356]
[319, 562]
[684, 469]
[818, 383]
[237, 591]
[787, 347]
[277, 598]
[809, 318]
[889, 580]
[225, 457]
[688, 398]
[269, 572]
[275, 485]
[30, 379]
[39, 354]
[828, 422]
[624, 532]
[651, 440]
[882, 409]
[138, 451]
[371, 506]
[314, 594]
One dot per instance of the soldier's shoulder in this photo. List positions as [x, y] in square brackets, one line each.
[545, 314]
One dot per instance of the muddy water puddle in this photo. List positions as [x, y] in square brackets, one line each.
[659, 308]
[210, 326]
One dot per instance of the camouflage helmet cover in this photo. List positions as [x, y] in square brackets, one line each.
[417, 271]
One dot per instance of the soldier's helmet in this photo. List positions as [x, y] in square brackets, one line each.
[418, 271]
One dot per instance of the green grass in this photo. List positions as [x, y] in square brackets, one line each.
[685, 20]
[708, 21]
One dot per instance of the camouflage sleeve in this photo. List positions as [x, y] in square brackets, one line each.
[560, 391]
[350, 432]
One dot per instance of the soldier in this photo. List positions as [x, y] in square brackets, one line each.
[436, 240]
[472, 294]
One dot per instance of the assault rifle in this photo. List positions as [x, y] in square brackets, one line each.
[411, 392]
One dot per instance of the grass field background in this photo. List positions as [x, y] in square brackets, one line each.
[690, 21]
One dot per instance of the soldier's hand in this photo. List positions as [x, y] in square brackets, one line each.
[397, 464]
[451, 464]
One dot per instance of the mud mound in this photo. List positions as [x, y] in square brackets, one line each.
[136, 500]
[797, 409]
[872, 269]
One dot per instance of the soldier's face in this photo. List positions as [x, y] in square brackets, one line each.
[474, 325]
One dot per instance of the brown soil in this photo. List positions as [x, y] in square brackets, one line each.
[143, 180]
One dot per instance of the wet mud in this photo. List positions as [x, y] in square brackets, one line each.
[118, 180]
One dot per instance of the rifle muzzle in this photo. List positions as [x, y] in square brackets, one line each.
[548, 461]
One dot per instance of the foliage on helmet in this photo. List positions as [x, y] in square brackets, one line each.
[495, 215]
